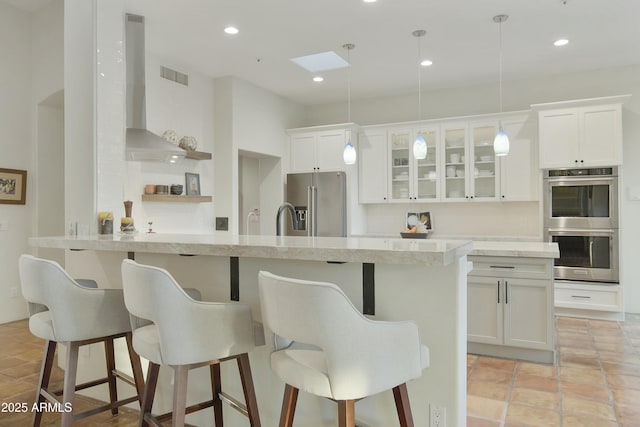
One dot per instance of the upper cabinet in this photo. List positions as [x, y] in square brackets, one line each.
[408, 177]
[581, 133]
[372, 166]
[460, 165]
[319, 149]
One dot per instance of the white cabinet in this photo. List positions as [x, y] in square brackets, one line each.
[411, 179]
[372, 166]
[520, 176]
[510, 306]
[581, 133]
[319, 149]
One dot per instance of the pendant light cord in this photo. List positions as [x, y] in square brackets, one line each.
[349, 85]
[500, 68]
[419, 82]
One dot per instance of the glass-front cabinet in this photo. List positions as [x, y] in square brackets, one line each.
[484, 168]
[412, 179]
[455, 156]
[470, 166]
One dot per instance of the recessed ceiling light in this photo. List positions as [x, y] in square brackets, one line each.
[426, 63]
[231, 30]
[561, 42]
[318, 79]
[369, 1]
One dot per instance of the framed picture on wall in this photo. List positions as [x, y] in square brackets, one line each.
[192, 184]
[13, 186]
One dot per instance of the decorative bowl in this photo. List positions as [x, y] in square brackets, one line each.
[414, 235]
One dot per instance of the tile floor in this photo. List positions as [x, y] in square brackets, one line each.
[595, 383]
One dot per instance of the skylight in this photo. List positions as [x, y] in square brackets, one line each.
[321, 62]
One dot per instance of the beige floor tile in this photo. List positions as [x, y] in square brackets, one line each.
[521, 415]
[471, 359]
[585, 407]
[572, 322]
[586, 391]
[628, 414]
[481, 407]
[581, 375]
[536, 383]
[603, 324]
[624, 382]
[620, 357]
[581, 421]
[530, 397]
[538, 369]
[491, 375]
[579, 361]
[625, 396]
[495, 363]
[620, 368]
[579, 352]
[490, 390]
[479, 422]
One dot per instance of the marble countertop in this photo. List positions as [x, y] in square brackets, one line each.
[515, 249]
[351, 249]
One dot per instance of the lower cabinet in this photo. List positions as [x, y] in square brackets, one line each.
[510, 308]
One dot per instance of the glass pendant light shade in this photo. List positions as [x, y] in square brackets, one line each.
[501, 143]
[420, 148]
[349, 154]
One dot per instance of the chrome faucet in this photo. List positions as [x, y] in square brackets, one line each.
[294, 219]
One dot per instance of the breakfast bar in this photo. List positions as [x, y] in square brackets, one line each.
[419, 280]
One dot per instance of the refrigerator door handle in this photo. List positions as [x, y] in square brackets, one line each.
[312, 217]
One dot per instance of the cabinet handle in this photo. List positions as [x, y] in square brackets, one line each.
[580, 296]
[498, 291]
[384, 198]
[581, 161]
[502, 196]
[506, 292]
[511, 267]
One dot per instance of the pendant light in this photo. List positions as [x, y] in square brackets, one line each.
[501, 141]
[349, 154]
[419, 145]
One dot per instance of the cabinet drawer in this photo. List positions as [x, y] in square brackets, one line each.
[529, 268]
[589, 297]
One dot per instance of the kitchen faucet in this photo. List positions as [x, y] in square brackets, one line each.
[294, 219]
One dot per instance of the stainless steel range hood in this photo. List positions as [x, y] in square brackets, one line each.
[141, 144]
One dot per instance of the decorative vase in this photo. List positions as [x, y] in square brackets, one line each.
[188, 143]
[171, 136]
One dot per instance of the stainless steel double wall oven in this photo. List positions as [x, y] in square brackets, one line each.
[581, 215]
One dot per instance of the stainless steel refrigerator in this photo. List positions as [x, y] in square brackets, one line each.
[320, 202]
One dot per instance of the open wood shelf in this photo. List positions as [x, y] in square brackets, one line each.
[172, 198]
[197, 155]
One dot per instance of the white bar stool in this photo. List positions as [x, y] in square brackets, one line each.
[171, 328]
[323, 345]
[63, 311]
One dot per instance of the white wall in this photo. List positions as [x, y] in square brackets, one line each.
[16, 149]
[251, 119]
[518, 95]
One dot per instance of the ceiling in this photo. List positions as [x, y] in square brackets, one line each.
[462, 40]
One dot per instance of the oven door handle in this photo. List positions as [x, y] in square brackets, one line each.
[586, 231]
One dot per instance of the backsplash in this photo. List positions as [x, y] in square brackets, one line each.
[484, 220]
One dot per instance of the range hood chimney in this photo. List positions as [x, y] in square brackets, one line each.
[141, 144]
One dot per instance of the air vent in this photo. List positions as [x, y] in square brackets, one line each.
[174, 76]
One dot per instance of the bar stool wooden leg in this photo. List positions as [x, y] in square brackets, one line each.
[111, 379]
[401, 396]
[149, 393]
[181, 373]
[45, 376]
[69, 388]
[249, 391]
[346, 413]
[216, 388]
[288, 406]
[136, 367]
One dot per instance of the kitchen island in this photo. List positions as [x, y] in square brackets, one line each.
[421, 280]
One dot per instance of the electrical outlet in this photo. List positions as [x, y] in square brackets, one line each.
[222, 223]
[438, 416]
[13, 293]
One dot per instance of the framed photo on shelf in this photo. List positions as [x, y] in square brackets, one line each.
[13, 186]
[419, 219]
[192, 183]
